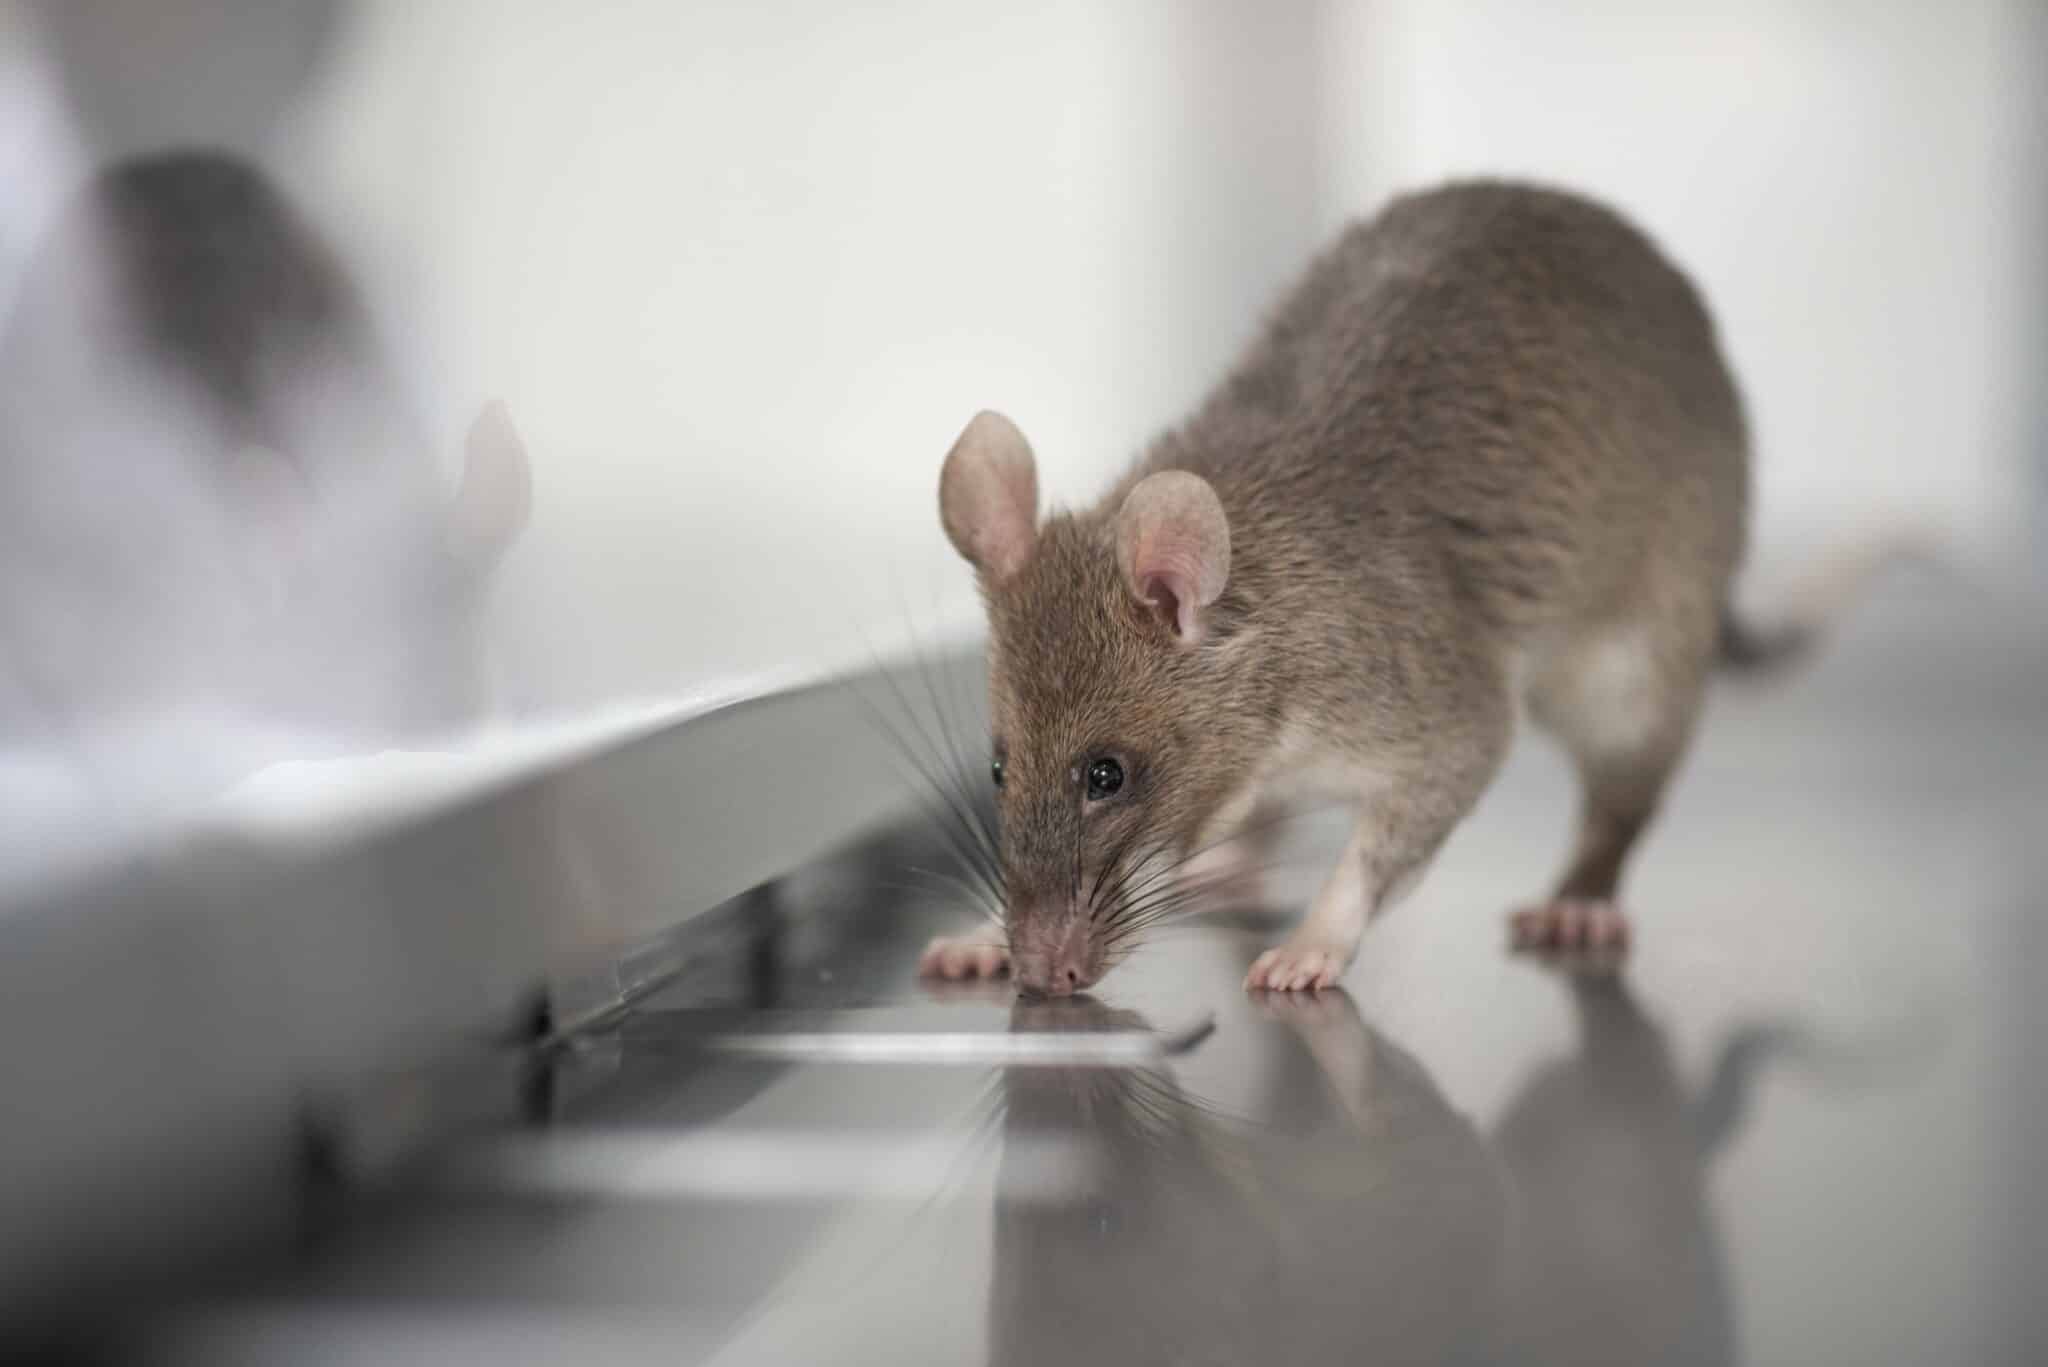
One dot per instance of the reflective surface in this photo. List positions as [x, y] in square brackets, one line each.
[1802, 1123]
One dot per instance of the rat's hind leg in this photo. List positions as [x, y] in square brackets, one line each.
[1623, 700]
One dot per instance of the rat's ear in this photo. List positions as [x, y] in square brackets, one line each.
[496, 498]
[988, 496]
[1173, 545]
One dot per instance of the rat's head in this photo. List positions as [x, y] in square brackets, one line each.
[1115, 694]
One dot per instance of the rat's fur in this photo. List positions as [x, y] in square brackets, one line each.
[1487, 452]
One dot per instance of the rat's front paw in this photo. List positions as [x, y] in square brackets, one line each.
[964, 956]
[1307, 966]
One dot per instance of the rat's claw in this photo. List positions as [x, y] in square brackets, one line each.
[1295, 968]
[1570, 923]
[1328, 1009]
[957, 957]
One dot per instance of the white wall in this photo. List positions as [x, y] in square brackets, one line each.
[743, 272]
[1858, 187]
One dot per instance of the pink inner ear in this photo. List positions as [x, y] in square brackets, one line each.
[988, 496]
[1174, 544]
[1165, 593]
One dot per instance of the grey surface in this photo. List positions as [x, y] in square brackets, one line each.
[1804, 1124]
[171, 1026]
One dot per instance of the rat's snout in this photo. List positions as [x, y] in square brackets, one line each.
[1055, 962]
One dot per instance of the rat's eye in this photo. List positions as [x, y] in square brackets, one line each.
[995, 771]
[1105, 776]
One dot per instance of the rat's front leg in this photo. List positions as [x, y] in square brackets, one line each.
[1403, 819]
[1319, 951]
[983, 954]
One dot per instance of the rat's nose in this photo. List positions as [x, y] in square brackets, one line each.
[1051, 981]
[1043, 980]
[1058, 971]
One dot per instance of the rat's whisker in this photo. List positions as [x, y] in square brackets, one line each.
[1121, 886]
[1129, 892]
[950, 739]
[944, 804]
[1115, 863]
[939, 880]
[945, 779]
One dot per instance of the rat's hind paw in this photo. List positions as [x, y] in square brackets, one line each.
[1571, 923]
[1297, 968]
[964, 956]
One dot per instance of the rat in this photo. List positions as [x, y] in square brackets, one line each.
[1486, 459]
[213, 491]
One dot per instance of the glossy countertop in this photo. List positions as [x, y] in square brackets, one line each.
[1803, 1121]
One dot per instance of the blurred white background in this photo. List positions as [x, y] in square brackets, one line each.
[743, 271]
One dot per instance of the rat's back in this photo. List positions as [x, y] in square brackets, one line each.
[1505, 384]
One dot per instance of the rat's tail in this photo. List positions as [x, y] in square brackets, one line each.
[1818, 603]
[1833, 1065]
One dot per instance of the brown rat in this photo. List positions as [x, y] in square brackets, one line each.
[1486, 455]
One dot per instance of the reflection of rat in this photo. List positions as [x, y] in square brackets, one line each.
[1360, 1206]
[1609, 1155]
[1362, 1209]
[215, 493]
[1487, 453]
